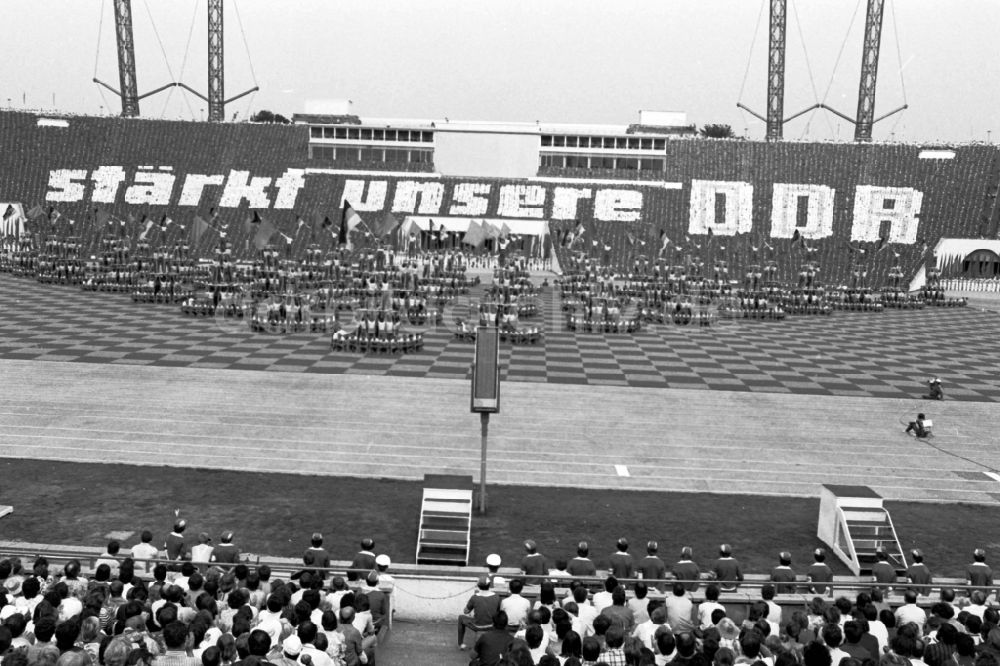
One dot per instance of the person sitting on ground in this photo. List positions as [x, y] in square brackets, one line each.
[920, 427]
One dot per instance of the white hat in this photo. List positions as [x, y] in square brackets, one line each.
[291, 646]
[383, 560]
[493, 560]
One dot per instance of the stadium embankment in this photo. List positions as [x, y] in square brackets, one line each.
[749, 195]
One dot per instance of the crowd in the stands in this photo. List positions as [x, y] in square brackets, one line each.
[192, 605]
[677, 617]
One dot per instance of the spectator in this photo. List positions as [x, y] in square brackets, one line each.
[364, 560]
[354, 652]
[175, 638]
[613, 654]
[110, 558]
[581, 565]
[918, 573]
[386, 582]
[773, 614]
[201, 553]
[685, 569]
[709, 606]
[602, 599]
[494, 643]
[883, 573]
[320, 558]
[226, 554]
[852, 642]
[619, 613]
[833, 637]
[174, 544]
[979, 574]
[622, 564]
[547, 596]
[783, 574]
[639, 604]
[515, 605]
[910, 611]
[480, 611]
[646, 631]
[533, 563]
[651, 568]
[727, 569]
[679, 609]
[819, 574]
[572, 646]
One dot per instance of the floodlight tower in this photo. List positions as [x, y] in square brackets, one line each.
[216, 63]
[126, 59]
[776, 71]
[869, 71]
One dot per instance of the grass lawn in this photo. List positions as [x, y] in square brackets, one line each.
[274, 514]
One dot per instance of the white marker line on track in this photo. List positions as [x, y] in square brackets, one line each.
[622, 470]
[993, 475]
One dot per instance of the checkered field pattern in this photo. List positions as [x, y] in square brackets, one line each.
[885, 355]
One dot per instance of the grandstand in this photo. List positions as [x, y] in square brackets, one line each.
[636, 185]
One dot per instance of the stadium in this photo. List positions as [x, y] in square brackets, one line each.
[268, 333]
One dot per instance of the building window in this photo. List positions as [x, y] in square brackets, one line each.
[327, 132]
[372, 155]
[633, 144]
[628, 163]
[378, 135]
[428, 137]
[353, 133]
[321, 152]
[609, 142]
[559, 141]
[647, 144]
[341, 133]
[316, 132]
[546, 141]
[659, 144]
[571, 141]
[653, 164]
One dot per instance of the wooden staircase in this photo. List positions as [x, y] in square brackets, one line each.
[445, 520]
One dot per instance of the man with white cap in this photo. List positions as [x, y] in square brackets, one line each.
[819, 573]
[621, 561]
[493, 566]
[918, 573]
[783, 574]
[533, 564]
[386, 582]
[686, 569]
[727, 569]
[291, 648]
[651, 567]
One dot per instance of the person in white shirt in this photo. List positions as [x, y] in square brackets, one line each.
[708, 606]
[201, 554]
[910, 611]
[110, 557]
[680, 609]
[144, 551]
[516, 606]
[585, 611]
[603, 599]
[639, 604]
[646, 631]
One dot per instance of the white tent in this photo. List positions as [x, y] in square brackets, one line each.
[11, 219]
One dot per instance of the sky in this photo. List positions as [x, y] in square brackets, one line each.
[572, 61]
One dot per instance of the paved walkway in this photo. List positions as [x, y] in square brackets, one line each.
[547, 434]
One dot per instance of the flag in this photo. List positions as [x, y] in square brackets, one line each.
[504, 231]
[165, 222]
[10, 211]
[149, 226]
[350, 216]
[349, 219]
[711, 233]
[250, 220]
[797, 239]
[300, 223]
[263, 236]
[198, 229]
[489, 230]
[664, 241]
[288, 239]
[327, 223]
[387, 225]
[35, 212]
[883, 242]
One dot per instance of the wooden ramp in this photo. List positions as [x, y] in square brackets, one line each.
[445, 520]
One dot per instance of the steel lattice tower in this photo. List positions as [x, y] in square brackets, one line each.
[869, 71]
[776, 71]
[129, 89]
[216, 71]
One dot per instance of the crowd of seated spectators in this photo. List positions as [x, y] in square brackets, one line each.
[195, 606]
[633, 625]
